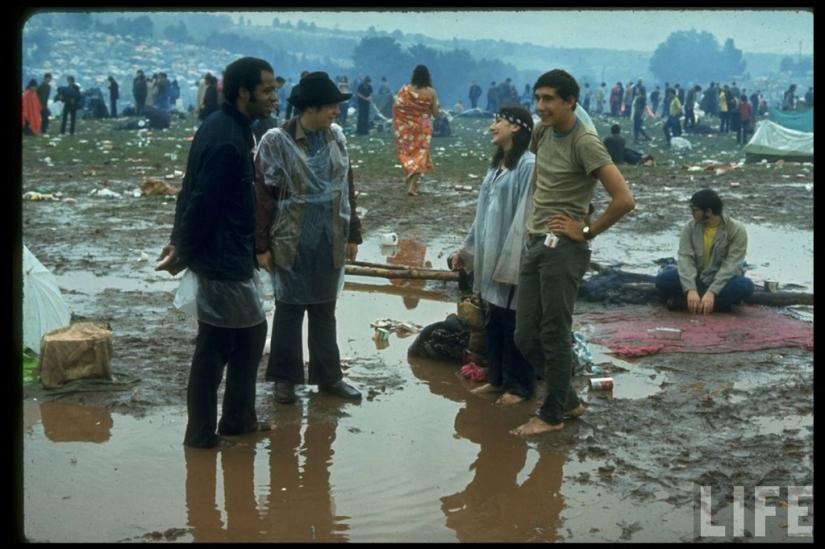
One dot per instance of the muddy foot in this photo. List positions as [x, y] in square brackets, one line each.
[508, 399]
[575, 412]
[535, 426]
[486, 388]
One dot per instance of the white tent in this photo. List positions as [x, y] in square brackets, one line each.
[773, 142]
[44, 309]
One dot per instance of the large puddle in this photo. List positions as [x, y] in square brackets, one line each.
[418, 460]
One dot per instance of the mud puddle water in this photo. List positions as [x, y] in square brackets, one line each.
[418, 459]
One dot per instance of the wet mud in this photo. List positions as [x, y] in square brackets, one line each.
[420, 458]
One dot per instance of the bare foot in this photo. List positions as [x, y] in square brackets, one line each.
[508, 399]
[575, 412]
[486, 388]
[535, 426]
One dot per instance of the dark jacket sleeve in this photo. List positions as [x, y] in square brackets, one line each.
[354, 221]
[267, 204]
[220, 167]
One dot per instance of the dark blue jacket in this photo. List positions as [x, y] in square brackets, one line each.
[214, 229]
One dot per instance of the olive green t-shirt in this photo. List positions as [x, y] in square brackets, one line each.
[565, 166]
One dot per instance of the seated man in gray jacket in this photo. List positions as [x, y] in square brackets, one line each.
[710, 274]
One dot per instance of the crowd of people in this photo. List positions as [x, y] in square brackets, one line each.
[158, 92]
[681, 109]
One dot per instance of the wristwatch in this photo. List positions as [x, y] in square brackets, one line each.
[587, 233]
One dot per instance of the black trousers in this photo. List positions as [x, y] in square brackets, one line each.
[240, 350]
[44, 121]
[140, 102]
[286, 357]
[68, 113]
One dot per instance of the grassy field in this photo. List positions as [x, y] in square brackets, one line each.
[124, 158]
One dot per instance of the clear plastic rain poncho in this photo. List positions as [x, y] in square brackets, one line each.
[224, 303]
[495, 242]
[309, 233]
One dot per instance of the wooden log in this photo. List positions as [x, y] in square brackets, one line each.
[379, 265]
[387, 271]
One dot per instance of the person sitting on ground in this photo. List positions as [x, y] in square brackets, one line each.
[615, 145]
[710, 275]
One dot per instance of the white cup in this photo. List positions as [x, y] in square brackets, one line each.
[389, 239]
[389, 251]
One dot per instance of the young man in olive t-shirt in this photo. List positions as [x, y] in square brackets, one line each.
[570, 160]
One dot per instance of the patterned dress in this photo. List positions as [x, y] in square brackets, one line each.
[412, 123]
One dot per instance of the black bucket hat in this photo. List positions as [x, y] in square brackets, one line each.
[315, 89]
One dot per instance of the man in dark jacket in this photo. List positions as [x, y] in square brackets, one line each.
[139, 91]
[44, 90]
[475, 93]
[114, 95]
[214, 238]
[70, 96]
[305, 241]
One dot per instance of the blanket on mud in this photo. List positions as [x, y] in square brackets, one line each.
[630, 331]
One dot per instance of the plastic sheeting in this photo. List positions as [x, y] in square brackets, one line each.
[773, 142]
[801, 121]
[44, 308]
[309, 234]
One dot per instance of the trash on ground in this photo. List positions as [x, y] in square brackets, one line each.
[39, 197]
[666, 333]
[395, 326]
[601, 383]
[105, 193]
[680, 144]
[157, 187]
[78, 351]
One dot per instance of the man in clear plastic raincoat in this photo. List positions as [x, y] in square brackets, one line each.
[307, 229]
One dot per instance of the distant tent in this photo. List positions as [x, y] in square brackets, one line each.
[801, 120]
[773, 142]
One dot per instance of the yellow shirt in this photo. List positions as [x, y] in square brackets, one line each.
[710, 234]
[675, 106]
[723, 103]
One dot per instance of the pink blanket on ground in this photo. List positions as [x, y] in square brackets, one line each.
[746, 328]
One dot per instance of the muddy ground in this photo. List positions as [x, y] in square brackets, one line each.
[712, 419]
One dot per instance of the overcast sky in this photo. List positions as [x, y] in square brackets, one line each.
[753, 31]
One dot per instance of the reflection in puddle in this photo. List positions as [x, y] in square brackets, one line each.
[70, 423]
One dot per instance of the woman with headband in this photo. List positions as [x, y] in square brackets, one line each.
[492, 251]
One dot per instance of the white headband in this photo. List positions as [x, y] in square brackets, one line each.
[514, 120]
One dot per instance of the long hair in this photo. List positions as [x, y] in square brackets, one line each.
[421, 77]
[521, 139]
